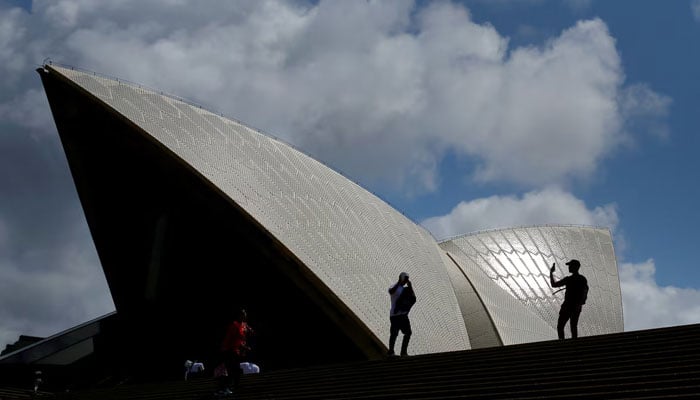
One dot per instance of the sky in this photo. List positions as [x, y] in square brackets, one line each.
[463, 115]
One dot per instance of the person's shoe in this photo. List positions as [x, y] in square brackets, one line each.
[223, 393]
[390, 353]
[404, 354]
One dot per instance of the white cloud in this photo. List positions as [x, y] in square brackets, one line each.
[555, 113]
[648, 305]
[46, 290]
[368, 87]
[695, 8]
[548, 206]
[12, 35]
[29, 110]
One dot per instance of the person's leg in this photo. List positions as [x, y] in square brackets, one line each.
[573, 324]
[221, 380]
[236, 372]
[406, 330]
[231, 368]
[564, 315]
[393, 332]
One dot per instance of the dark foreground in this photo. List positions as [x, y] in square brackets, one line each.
[649, 364]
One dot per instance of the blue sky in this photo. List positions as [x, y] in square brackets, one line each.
[463, 115]
[652, 183]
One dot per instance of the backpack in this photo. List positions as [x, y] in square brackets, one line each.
[583, 292]
[406, 300]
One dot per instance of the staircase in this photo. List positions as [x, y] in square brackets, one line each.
[648, 364]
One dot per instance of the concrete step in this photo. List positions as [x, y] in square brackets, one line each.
[655, 363]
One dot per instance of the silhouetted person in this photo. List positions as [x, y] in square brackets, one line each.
[402, 299]
[232, 352]
[574, 297]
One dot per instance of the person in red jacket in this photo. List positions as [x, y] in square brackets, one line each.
[232, 352]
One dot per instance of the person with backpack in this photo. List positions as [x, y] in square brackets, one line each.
[402, 299]
[575, 296]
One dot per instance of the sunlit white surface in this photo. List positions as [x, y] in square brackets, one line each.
[517, 260]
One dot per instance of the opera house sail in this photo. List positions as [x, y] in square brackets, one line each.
[509, 269]
[194, 215]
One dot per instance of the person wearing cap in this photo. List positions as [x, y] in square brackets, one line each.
[574, 298]
[402, 299]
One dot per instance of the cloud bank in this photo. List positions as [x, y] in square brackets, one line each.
[548, 206]
[648, 305]
[333, 77]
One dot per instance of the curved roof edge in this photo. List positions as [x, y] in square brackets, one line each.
[480, 231]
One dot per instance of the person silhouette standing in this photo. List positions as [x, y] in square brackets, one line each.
[575, 296]
[402, 299]
[232, 352]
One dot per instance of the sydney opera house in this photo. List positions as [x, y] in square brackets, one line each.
[194, 215]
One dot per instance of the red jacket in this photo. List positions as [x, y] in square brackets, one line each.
[235, 339]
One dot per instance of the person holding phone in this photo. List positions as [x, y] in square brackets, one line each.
[402, 299]
[574, 298]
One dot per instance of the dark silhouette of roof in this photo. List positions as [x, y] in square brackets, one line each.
[22, 342]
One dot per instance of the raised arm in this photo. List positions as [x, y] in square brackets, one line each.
[553, 282]
[393, 288]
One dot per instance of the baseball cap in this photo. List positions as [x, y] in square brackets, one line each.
[574, 263]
